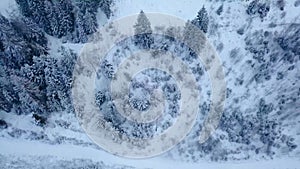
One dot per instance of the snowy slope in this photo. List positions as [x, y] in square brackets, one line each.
[7, 6]
[62, 140]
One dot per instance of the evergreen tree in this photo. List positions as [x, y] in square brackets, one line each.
[63, 18]
[8, 97]
[143, 32]
[105, 7]
[32, 34]
[21, 81]
[86, 21]
[58, 76]
[40, 13]
[30, 86]
[202, 20]
[255, 7]
[90, 24]
[16, 51]
[220, 10]
[79, 35]
[193, 36]
[55, 17]
[24, 7]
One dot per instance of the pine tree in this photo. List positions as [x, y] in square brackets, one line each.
[105, 7]
[202, 20]
[90, 24]
[24, 7]
[220, 10]
[8, 97]
[256, 7]
[253, 7]
[30, 86]
[31, 33]
[193, 36]
[79, 35]
[143, 32]
[86, 21]
[72, 19]
[15, 51]
[65, 17]
[39, 13]
[58, 77]
[22, 42]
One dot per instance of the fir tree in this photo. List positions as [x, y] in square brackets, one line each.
[105, 7]
[193, 36]
[255, 7]
[30, 86]
[17, 50]
[86, 21]
[143, 32]
[30, 31]
[58, 77]
[202, 20]
[220, 10]
[8, 97]
[24, 7]
[65, 17]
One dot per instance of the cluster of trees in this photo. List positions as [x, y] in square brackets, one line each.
[145, 39]
[32, 81]
[72, 19]
[21, 40]
[139, 99]
[143, 32]
[267, 50]
[244, 129]
[258, 8]
[202, 20]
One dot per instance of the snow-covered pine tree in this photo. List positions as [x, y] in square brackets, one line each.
[40, 14]
[15, 50]
[193, 36]
[65, 17]
[30, 31]
[31, 88]
[8, 96]
[257, 7]
[90, 24]
[143, 32]
[105, 7]
[202, 20]
[58, 76]
[253, 7]
[24, 8]
[60, 15]
[21, 40]
[220, 10]
[86, 21]
[71, 19]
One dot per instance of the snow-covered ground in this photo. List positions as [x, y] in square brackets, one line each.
[30, 150]
[7, 6]
[62, 140]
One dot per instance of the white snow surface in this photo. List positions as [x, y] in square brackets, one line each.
[7, 6]
[69, 152]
